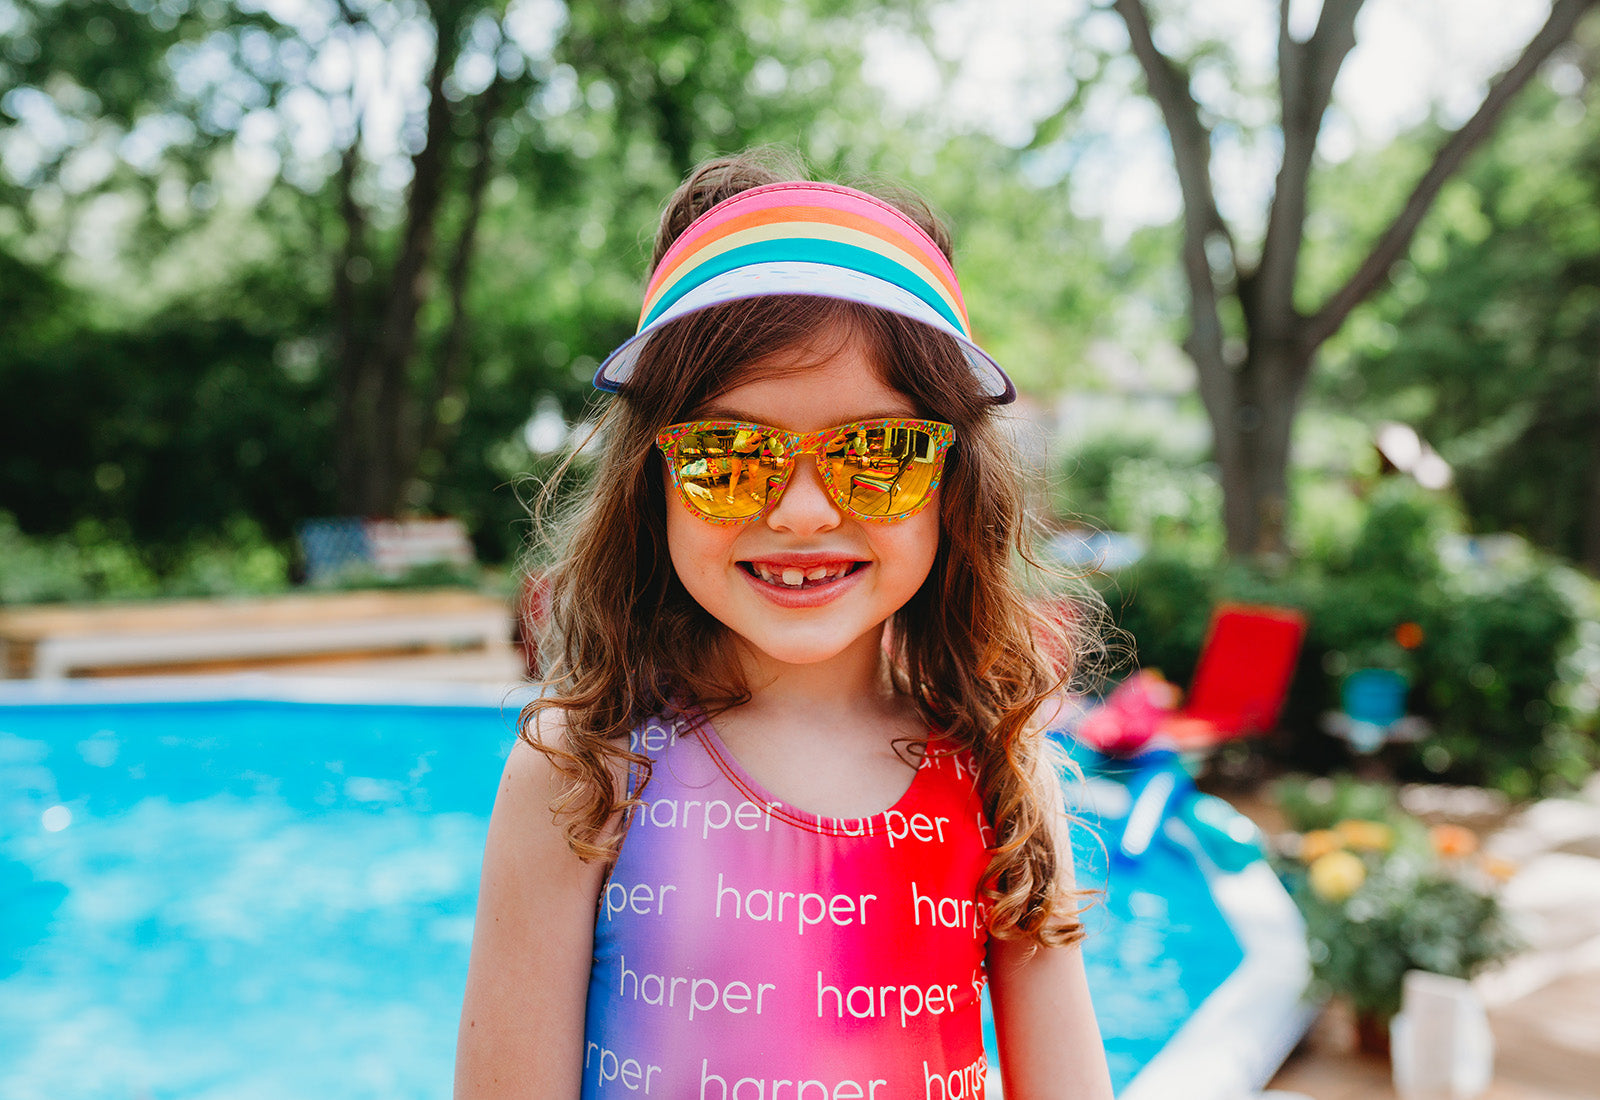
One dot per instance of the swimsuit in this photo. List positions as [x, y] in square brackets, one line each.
[747, 950]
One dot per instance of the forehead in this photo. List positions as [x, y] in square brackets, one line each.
[812, 386]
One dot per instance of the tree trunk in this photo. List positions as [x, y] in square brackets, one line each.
[1252, 433]
[354, 392]
[430, 433]
[408, 289]
[377, 328]
[1252, 403]
[1591, 518]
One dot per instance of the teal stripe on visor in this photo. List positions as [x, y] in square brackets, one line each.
[846, 256]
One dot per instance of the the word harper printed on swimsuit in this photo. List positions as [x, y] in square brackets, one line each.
[748, 950]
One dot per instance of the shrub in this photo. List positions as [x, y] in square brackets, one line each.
[1145, 485]
[97, 562]
[1490, 644]
[1323, 802]
[1486, 681]
[1162, 603]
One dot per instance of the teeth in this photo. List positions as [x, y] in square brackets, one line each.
[791, 576]
[794, 576]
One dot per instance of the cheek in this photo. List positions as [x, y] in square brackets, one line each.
[680, 538]
[695, 546]
[913, 545]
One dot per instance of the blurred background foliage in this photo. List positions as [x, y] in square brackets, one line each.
[1504, 656]
[267, 261]
[198, 221]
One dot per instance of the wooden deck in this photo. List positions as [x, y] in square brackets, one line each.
[1547, 1047]
[56, 641]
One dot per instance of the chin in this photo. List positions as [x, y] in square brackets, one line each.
[791, 650]
[798, 654]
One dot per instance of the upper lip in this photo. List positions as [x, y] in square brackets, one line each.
[803, 559]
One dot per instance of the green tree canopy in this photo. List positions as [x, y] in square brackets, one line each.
[333, 263]
[1488, 343]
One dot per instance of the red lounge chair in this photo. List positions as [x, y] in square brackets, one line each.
[1243, 676]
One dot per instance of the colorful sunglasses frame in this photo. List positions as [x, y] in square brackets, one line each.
[796, 444]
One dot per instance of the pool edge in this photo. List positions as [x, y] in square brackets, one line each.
[1236, 1040]
[264, 687]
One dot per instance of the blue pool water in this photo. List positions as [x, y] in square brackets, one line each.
[1157, 944]
[258, 899]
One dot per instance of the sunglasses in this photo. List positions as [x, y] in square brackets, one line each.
[731, 471]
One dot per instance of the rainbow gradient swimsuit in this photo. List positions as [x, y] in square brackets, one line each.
[748, 950]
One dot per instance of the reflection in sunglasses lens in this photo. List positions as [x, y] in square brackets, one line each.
[874, 471]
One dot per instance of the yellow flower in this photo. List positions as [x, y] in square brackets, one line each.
[1318, 843]
[1453, 840]
[1369, 835]
[1336, 875]
[1499, 868]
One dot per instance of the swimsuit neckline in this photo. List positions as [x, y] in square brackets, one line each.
[697, 722]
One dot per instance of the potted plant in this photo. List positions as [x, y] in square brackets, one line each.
[1379, 677]
[1383, 894]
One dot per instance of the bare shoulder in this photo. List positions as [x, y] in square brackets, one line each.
[521, 1027]
[528, 846]
[529, 770]
[524, 826]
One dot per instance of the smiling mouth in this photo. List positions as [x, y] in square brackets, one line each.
[791, 576]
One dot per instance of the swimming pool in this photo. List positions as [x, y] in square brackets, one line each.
[1197, 959]
[253, 888]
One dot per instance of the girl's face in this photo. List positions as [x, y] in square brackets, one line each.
[870, 569]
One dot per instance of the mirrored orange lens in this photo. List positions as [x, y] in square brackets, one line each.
[724, 472]
[882, 472]
[872, 470]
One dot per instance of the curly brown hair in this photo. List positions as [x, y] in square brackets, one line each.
[624, 640]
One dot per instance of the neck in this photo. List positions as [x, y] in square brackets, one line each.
[857, 673]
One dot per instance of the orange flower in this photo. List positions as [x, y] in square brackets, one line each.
[1369, 835]
[1409, 635]
[1318, 843]
[1452, 841]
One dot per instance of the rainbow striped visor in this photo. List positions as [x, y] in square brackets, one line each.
[806, 238]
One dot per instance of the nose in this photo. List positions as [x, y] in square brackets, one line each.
[805, 505]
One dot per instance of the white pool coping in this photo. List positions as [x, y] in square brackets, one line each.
[1239, 1036]
[265, 687]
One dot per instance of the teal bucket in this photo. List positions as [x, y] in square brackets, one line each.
[1375, 695]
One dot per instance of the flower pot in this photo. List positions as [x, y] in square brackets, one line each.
[1375, 695]
[1372, 1034]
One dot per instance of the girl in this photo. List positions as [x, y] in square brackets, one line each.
[782, 812]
